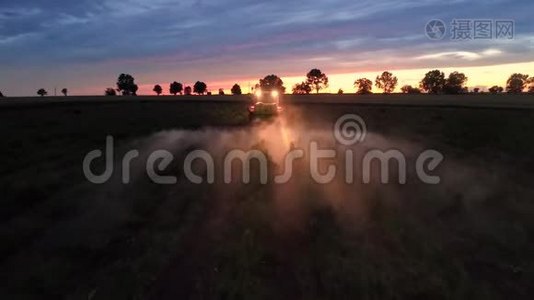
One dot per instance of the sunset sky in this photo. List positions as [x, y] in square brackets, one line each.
[84, 45]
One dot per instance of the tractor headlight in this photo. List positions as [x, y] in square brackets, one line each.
[274, 94]
[258, 93]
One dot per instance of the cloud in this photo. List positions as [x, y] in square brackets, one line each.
[16, 38]
[465, 55]
[244, 37]
[16, 13]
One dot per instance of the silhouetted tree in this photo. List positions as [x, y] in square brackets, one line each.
[272, 82]
[236, 89]
[340, 92]
[317, 80]
[157, 89]
[1, 95]
[454, 85]
[65, 91]
[531, 87]
[476, 90]
[302, 88]
[408, 89]
[387, 82]
[496, 89]
[176, 88]
[110, 92]
[200, 88]
[135, 88]
[42, 92]
[221, 92]
[433, 82]
[363, 85]
[516, 83]
[188, 91]
[126, 85]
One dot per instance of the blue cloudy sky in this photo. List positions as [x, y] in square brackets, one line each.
[85, 44]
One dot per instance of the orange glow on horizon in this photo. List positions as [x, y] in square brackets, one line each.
[483, 77]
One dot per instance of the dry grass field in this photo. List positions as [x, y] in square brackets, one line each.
[471, 236]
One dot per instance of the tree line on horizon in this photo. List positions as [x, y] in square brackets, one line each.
[434, 82]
